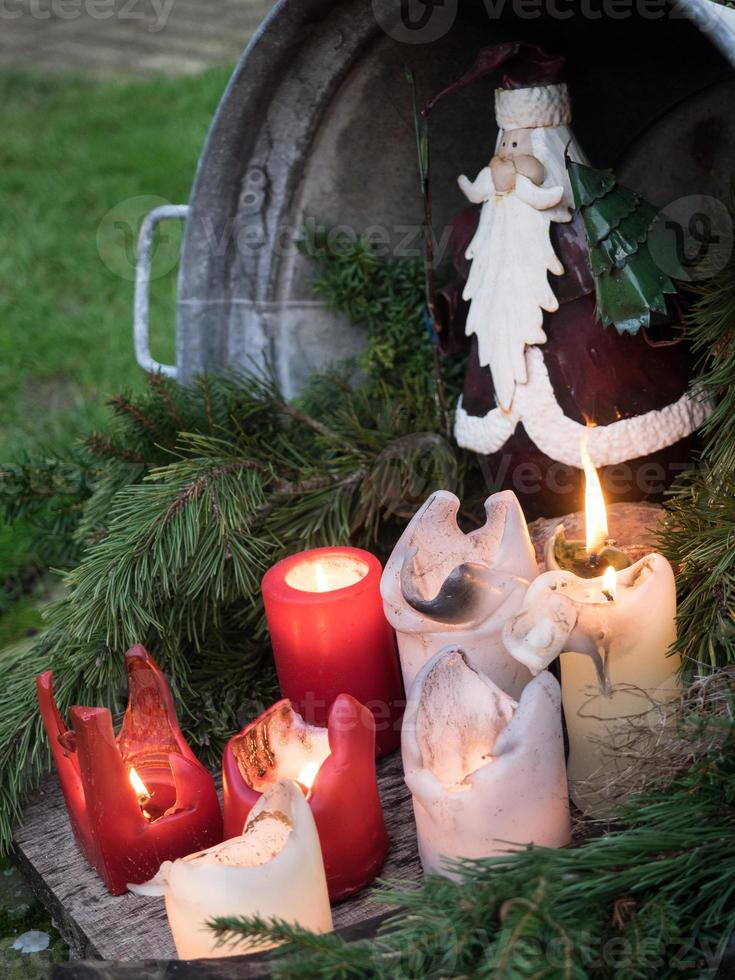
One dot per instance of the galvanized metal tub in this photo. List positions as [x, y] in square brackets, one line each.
[316, 124]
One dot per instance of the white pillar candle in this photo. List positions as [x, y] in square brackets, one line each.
[274, 869]
[486, 772]
[442, 586]
[613, 634]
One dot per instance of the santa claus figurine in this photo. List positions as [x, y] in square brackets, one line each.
[545, 374]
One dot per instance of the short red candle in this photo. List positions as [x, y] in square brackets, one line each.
[337, 770]
[126, 836]
[330, 636]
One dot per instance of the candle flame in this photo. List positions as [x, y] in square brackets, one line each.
[334, 571]
[138, 785]
[308, 774]
[322, 580]
[594, 504]
[609, 582]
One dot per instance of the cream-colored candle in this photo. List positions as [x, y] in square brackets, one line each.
[486, 772]
[274, 870]
[441, 586]
[613, 634]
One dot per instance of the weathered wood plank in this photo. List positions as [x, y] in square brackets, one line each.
[255, 967]
[133, 928]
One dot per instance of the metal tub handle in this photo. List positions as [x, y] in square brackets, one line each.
[141, 308]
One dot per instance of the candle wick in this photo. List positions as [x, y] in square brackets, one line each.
[143, 800]
[608, 595]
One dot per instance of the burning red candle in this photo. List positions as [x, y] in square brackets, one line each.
[336, 769]
[139, 799]
[330, 636]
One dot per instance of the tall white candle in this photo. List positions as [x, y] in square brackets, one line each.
[486, 772]
[613, 634]
[442, 586]
[274, 869]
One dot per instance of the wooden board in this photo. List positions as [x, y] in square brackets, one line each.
[254, 967]
[129, 927]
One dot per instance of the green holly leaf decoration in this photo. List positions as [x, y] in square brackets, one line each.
[617, 222]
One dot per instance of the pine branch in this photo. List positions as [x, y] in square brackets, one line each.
[124, 407]
[314, 424]
[386, 297]
[711, 331]
[698, 536]
[175, 547]
[328, 956]
[104, 448]
[48, 494]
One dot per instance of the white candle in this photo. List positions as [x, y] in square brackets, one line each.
[613, 633]
[486, 772]
[442, 586]
[274, 869]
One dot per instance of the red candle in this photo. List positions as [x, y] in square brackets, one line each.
[330, 636]
[139, 799]
[336, 769]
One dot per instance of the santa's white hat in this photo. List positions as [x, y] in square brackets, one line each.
[529, 108]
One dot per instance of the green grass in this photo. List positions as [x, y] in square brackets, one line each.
[71, 151]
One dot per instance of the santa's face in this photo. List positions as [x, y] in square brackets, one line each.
[514, 155]
[514, 143]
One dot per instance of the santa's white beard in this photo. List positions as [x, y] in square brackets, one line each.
[508, 287]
